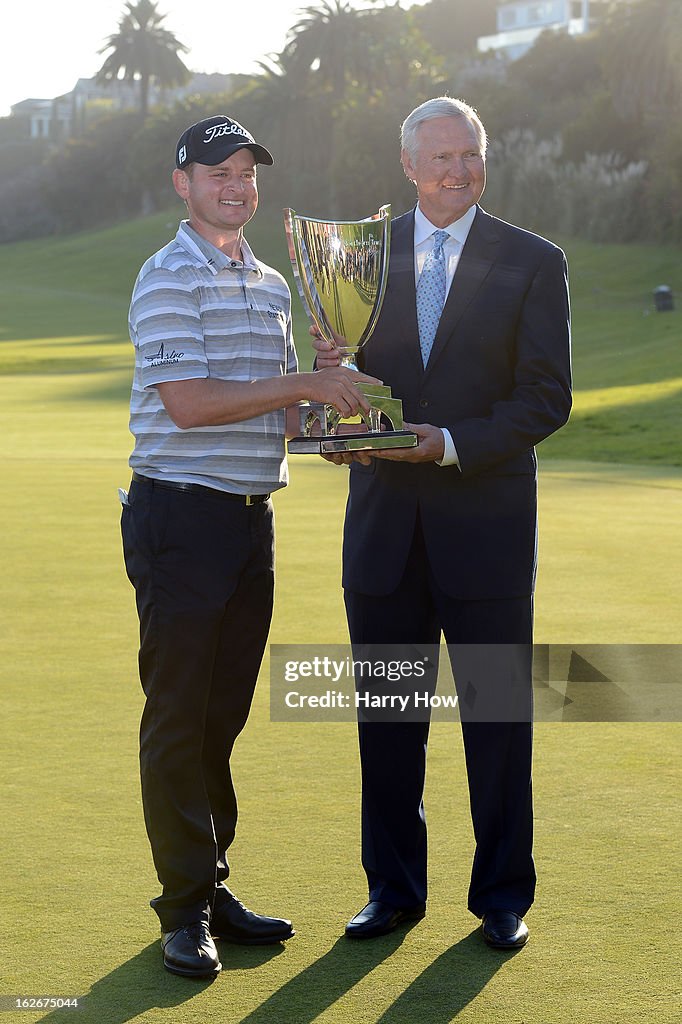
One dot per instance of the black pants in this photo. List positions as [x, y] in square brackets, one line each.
[498, 753]
[202, 568]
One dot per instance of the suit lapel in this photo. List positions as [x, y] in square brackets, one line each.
[402, 289]
[476, 260]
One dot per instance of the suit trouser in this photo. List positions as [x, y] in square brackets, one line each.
[498, 753]
[202, 568]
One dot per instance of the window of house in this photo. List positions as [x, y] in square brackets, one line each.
[542, 13]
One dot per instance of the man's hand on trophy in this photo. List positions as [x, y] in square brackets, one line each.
[430, 446]
[345, 458]
[337, 386]
[326, 354]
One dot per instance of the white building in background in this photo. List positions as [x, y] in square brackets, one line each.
[59, 118]
[45, 118]
[520, 23]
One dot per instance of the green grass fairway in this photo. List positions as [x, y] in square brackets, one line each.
[627, 358]
[76, 871]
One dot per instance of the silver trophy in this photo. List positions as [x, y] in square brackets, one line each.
[341, 269]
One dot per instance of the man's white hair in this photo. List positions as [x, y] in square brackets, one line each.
[441, 106]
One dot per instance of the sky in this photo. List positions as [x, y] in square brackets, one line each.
[48, 45]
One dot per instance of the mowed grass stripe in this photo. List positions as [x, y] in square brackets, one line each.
[620, 343]
[75, 865]
[76, 869]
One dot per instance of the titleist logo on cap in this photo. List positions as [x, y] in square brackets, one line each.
[216, 130]
[214, 139]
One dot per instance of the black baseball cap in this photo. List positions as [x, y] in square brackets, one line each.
[214, 139]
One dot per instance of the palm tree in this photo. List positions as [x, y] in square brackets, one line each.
[331, 41]
[337, 47]
[143, 50]
[280, 105]
[343, 82]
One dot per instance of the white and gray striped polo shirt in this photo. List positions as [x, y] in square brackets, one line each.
[196, 312]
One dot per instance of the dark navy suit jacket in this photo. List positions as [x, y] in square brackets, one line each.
[499, 378]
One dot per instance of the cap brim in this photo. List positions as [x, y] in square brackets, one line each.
[260, 152]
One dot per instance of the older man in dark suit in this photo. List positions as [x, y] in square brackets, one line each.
[474, 337]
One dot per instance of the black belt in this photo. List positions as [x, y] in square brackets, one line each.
[175, 485]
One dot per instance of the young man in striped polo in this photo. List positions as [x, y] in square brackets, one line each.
[214, 395]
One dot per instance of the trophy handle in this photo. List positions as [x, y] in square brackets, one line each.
[385, 215]
[294, 255]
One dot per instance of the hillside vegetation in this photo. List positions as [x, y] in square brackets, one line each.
[64, 306]
[584, 129]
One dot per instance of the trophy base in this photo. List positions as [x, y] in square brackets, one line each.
[328, 444]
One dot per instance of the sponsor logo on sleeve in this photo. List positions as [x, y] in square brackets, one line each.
[163, 358]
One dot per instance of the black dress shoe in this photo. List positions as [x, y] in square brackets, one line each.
[190, 951]
[503, 929]
[380, 918]
[231, 921]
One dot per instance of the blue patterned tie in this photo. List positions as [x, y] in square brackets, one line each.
[431, 294]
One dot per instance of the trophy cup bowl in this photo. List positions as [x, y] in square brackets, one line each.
[341, 270]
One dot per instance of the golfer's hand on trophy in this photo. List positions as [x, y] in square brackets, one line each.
[326, 356]
[336, 385]
[430, 446]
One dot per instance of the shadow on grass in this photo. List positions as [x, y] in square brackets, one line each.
[439, 993]
[142, 984]
[449, 984]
